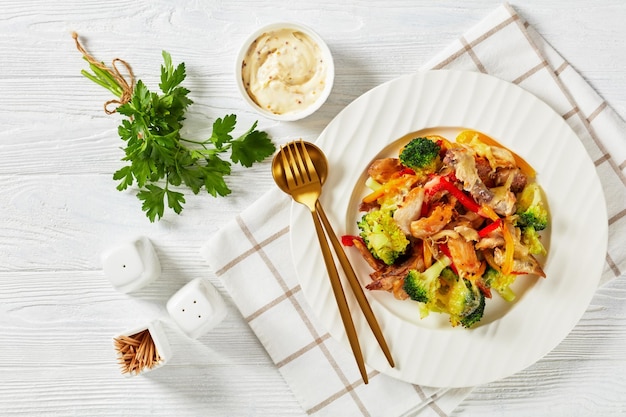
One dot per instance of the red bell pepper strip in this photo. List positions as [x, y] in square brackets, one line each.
[348, 240]
[463, 198]
[446, 251]
[466, 201]
[493, 226]
[404, 171]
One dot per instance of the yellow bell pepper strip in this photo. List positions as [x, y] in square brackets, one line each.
[509, 250]
[467, 136]
[427, 253]
[488, 212]
[381, 191]
[389, 185]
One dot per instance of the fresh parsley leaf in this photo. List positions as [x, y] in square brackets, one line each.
[159, 158]
[152, 197]
[221, 130]
[126, 175]
[193, 178]
[253, 147]
[214, 172]
[175, 200]
[170, 77]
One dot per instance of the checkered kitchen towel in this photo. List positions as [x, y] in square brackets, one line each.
[251, 255]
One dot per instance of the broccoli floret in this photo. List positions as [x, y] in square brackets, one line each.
[532, 240]
[449, 275]
[475, 316]
[382, 235]
[466, 303]
[421, 155]
[423, 286]
[531, 209]
[500, 282]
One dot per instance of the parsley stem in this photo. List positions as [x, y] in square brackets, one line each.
[104, 80]
[95, 79]
[104, 75]
[197, 142]
[223, 148]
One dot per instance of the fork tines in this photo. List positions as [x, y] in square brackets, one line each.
[301, 169]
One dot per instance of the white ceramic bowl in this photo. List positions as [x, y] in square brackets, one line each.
[326, 56]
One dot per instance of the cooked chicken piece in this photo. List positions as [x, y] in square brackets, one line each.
[494, 178]
[485, 172]
[464, 256]
[393, 284]
[468, 233]
[500, 199]
[374, 263]
[521, 265]
[502, 157]
[382, 170]
[428, 226]
[503, 201]
[462, 159]
[460, 227]
[398, 290]
[410, 209]
[390, 277]
[384, 283]
[442, 236]
[492, 241]
[414, 260]
[518, 182]
[473, 220]
[365, 207]
[523, 261]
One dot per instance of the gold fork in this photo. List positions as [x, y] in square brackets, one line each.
[304, 185]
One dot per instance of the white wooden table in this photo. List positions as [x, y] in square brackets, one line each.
[59, 208]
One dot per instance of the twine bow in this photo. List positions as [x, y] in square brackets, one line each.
[126, 86]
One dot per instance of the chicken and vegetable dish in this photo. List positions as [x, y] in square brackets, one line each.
[446, 223]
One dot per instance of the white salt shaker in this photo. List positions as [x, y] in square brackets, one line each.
[196, 308]
[131, 265]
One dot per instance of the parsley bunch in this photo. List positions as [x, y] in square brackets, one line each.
[159, 160]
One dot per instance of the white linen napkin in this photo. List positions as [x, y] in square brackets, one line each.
[251, 255]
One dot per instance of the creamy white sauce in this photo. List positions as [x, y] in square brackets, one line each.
[284, 71]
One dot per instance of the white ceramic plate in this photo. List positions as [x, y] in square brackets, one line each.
[511, 336]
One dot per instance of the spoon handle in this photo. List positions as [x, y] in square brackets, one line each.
[355, 285]
[340, 296]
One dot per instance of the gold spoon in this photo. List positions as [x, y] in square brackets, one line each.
[319, 161]
[320, 164]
